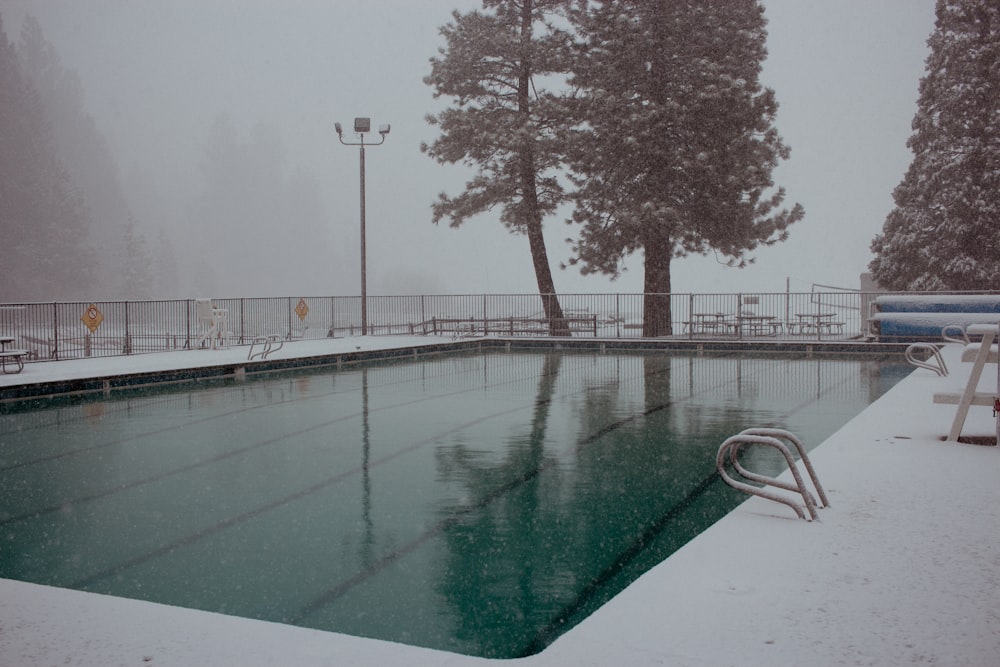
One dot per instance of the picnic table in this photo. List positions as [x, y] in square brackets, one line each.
[816, 322]
[757, 325]
[706, 323]
[11, 356]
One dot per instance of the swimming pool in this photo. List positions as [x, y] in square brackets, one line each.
[478, 503]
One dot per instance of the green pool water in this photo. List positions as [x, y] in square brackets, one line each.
[481, 504]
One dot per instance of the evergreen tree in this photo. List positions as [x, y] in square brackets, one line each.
[135, 269]
[674, 139]
[944, 232]
[88, 161]
[42, 218]
[503, 122]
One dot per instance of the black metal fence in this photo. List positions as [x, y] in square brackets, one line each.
[51, 331]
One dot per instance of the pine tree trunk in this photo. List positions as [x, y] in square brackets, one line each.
[532, 216]
[543, 276]
[656, 299]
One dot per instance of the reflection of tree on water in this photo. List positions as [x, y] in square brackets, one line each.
[547, 536]
[612, 477]
[497, 552]
[649, 485]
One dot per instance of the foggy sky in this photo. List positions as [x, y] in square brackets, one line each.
[158, 73]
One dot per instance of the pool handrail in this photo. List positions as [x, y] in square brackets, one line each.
[773, 437]
[933, 363]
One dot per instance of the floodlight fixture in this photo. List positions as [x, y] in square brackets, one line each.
[362, 125]
[384, 129]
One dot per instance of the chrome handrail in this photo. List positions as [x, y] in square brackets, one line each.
[772, 437]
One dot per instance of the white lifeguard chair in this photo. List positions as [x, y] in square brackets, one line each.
[212, 323]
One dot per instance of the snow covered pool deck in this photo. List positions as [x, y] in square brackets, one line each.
[903, 569]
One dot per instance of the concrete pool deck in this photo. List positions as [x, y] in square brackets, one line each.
[903, 568]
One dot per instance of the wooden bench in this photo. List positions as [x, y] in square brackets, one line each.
[534, 326]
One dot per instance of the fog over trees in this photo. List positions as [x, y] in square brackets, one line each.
[44, 219]
[251, 213]
[71, 233]
[186, 149]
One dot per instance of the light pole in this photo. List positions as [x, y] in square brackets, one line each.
[361, 126]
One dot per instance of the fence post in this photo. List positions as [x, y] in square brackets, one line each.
[690, 316]
[332, 333]
[788, 300]
[739, 315]
[55, 330]
[128, 333]
[618, 315]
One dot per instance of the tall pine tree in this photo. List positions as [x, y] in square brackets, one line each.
[43, 220]
[944, 232]
[503, 122]
[675, 141]
[90, 166]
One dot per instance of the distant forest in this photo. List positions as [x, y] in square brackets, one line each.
[75, 228]
[68, 230]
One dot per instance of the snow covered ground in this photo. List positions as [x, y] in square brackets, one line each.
[902, 569]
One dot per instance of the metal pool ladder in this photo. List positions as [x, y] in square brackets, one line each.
[772, 437]
[267, 344]
[935, 362]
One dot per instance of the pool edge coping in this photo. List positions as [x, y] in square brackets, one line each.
[108, 383]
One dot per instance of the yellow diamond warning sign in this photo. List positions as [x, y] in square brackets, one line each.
[92, 318]
[301, 309]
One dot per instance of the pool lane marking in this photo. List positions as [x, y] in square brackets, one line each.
[215, 459]
[318, 486]
[826, 388]
[201, 420]
[145, 434]
[193, 537]
[384, 562]
[224, 455]
[553, 629]
[170, 473]
[342, 587]
[621, 560]
[556, 625]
